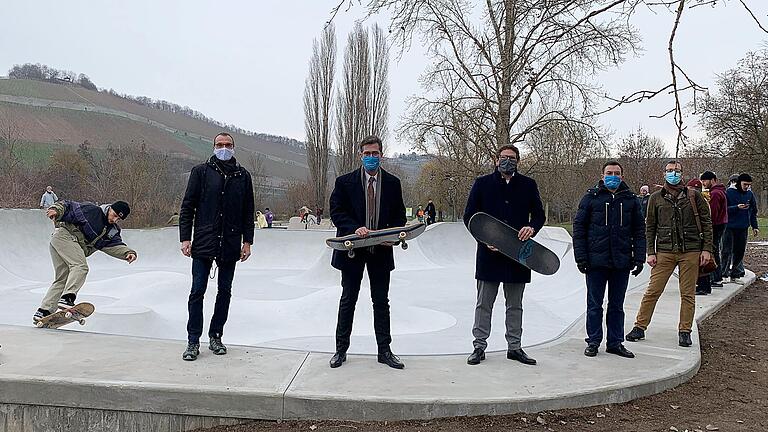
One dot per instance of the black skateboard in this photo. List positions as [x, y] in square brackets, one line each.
[397, 235]
[490, 231]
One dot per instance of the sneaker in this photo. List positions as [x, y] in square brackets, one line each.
[192, 351]
[636, 334]
[684, 339]
[40, 314]
[216, 346]
[717, 284]
[67, 301]
[735, 280]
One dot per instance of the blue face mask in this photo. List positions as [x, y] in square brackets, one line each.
[612, 182]
[371, 163]
[673, 178]
[224, 154]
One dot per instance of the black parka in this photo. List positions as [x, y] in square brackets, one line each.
[219, 203]
[609, 229]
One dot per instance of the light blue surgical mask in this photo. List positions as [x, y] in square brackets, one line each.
[371, 163]
[673, 177]
[224, 153]
[612, 182]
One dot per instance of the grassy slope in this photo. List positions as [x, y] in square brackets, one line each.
[45, 128]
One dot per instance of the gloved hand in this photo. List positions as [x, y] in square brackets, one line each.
[638, 269]
[583, 267]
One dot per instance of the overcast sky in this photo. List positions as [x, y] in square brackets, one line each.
[244, 62]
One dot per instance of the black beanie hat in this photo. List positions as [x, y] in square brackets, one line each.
[744, 177]
[121, 208]
[708, 175]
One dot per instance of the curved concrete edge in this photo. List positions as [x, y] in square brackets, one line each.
[135, 375]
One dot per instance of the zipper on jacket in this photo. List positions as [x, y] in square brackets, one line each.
[621, 215]
[606, 214]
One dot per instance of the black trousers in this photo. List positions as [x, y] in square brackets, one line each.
[350, 283]
[717, 243]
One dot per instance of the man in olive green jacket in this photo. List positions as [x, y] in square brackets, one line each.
[674, 240]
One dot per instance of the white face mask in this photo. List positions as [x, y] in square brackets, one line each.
[224, 153]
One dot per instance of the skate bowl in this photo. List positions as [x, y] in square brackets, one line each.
[286, 295]
[125, 364]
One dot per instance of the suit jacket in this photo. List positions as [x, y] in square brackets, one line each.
[348, 213]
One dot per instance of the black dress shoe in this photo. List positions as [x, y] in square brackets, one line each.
[520, 356]
[620, 351]
[591, 350]
[390, 360]
[636, 334]
[338, 358]
[476, 357]
[684, 339]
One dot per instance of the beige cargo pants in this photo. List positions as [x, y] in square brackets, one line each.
[70, 265]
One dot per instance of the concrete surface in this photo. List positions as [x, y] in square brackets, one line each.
[134, 376]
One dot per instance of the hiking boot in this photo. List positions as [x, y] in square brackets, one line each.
[636, 334]
[192, 351]
[591, 350]
[684, 339]
[216, 346]
[40, 314]
[67, 301]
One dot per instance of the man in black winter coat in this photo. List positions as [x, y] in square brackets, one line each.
[218, 203]
[366, 199]
[608, 243]
[514, 199]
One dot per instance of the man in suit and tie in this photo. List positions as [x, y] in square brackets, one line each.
[366, 199]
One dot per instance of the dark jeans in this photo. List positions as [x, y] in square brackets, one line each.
[617, 280]
[717, 243]
[201, 269]
[734, 247]
[350, 283]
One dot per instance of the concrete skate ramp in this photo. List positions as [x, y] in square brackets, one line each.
[286, 295]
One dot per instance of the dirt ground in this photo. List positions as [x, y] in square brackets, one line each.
[730, 392]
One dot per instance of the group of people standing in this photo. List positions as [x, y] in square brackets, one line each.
[614, 234]
[679, 227]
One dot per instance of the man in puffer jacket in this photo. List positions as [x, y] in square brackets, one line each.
[608, 242]
[81, 230]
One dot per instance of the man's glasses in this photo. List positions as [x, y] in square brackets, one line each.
[507, 157]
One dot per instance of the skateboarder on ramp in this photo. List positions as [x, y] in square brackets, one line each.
[81, 229]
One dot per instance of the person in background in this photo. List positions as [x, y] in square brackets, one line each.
[48, 198]
[742, 213]
[269, 216]
[173, 220]
[643, 197]
[718, 205]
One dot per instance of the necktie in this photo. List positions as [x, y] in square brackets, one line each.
[371, 203]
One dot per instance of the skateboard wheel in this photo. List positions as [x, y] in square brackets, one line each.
[67, 314]
[348, 244]
[351, 254]
[404, 245]
[403, 235]
[81, 321]
[39, 324]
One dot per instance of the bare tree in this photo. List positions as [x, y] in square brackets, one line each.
[736, 116]
[499, 62]
[318, 101]
[378, 105]
[642, 156]
[352, 100]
